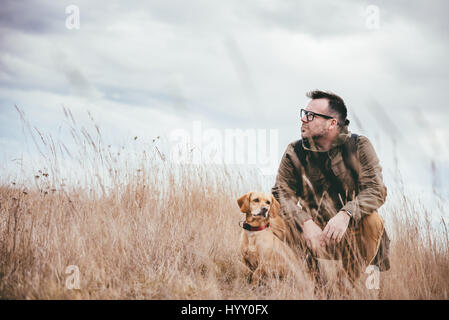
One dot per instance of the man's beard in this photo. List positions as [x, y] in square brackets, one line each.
[315, 136]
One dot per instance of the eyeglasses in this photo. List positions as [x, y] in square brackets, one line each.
[310, 115]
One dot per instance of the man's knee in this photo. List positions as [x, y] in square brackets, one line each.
[372, 226]
[371, 231]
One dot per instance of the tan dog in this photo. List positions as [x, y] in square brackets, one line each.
[261, 246]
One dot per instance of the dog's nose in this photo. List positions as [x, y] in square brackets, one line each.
[263, 210]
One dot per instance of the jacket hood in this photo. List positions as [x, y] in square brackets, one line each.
[308, 144]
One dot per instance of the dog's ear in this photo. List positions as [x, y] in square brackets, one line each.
[243, 202]
[275, 207]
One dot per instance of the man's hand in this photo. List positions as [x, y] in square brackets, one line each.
[312, 234]
[335, 228]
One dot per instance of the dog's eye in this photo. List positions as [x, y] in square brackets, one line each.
[268, 202]
[256, 200]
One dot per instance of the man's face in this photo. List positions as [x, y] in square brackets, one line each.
[316, 128]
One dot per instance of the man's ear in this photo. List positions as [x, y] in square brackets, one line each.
[243, 202]
[334, 122]
[275, 207]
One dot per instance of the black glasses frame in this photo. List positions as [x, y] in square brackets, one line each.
[310, 115]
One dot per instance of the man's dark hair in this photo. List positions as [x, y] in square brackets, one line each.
[336, 105]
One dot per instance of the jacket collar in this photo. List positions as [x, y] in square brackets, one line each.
[341, 139]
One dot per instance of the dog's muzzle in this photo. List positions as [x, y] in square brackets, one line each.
[262, 212]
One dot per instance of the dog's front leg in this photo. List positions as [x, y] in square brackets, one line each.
[257, 275]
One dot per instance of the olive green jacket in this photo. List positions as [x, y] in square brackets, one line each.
[304, 192]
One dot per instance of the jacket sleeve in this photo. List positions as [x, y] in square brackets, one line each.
[285, 190]
[372, 191]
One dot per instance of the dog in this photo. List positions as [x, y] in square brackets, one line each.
[262, 243]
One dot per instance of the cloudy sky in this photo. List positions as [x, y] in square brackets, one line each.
[152, 68]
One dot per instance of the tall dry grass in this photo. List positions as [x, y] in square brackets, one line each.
[154, 230]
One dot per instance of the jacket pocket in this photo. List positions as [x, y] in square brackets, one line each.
[339, 168]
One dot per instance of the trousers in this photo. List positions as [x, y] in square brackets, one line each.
[356, 250]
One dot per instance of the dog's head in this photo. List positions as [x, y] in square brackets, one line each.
[258, 205]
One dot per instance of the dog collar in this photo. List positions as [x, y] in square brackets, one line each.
[248, 227]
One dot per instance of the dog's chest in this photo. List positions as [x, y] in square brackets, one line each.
[253, 237]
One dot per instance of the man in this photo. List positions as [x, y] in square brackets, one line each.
[329, 186]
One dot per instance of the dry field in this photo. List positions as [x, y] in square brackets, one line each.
[160, 231]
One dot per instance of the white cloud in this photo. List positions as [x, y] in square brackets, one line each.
[147, 69]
